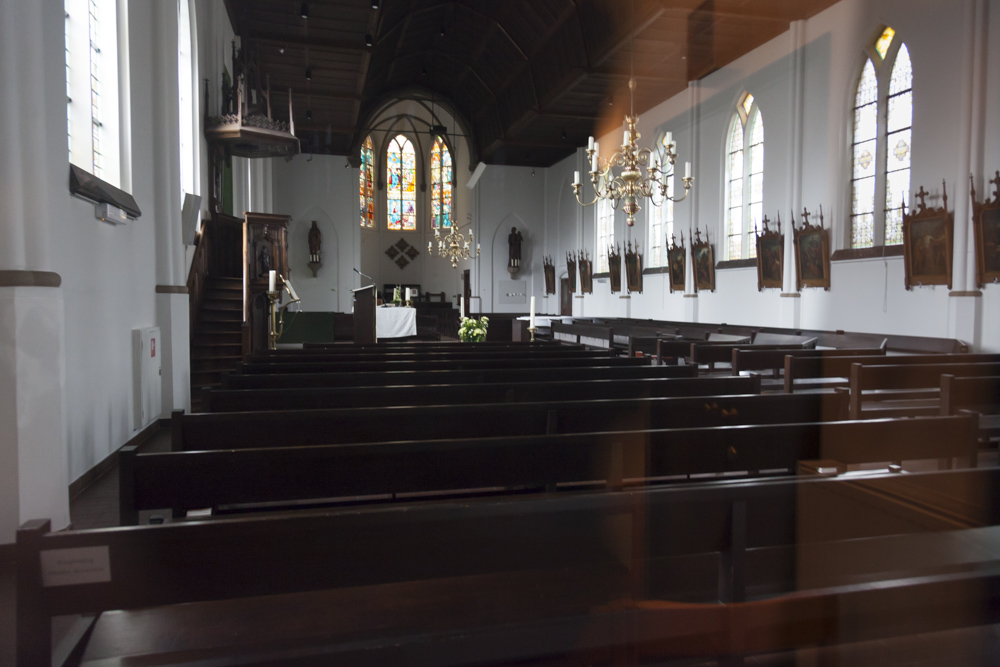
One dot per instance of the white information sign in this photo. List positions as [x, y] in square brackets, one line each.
[68, 567]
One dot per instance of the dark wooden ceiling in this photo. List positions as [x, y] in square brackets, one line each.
[529, 79]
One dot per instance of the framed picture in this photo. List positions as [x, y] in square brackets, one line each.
[704, 263]
[986, 228]
[615, 268]
[927, 243]
[770, 257]
[571, 272]
[550, 275]
[812, 253]
[633, 268]
[677, 263]
[586, 273]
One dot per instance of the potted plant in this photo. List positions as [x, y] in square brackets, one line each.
[472, 330]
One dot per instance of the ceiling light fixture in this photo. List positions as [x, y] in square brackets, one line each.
[368, 39]
[281, 49]
[309, 74]
[374, 4]
[631, 184]
[309, 114]
[304, 12]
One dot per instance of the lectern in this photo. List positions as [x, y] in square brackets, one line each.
[364, 315]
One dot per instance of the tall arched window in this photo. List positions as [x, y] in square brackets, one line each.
[401, 193]
[366, 184]
[187, 76]
[605, 229]
[661, 217]
[745, 179]
[441, 176]
[882, 143]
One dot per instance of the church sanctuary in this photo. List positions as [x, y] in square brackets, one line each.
[546, 333]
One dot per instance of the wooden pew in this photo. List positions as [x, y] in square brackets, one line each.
[711, 353]
[387, 378]
[833, 371]
[502, 548]
[238, 400]
[183, 481]
[455, 355]
[749, 359]
[592, 335]
[892, 390]
[347, 366]
[420, 348]
[285, 428]
[978, 396]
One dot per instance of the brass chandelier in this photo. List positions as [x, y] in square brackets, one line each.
[631, 184]
[453, 246]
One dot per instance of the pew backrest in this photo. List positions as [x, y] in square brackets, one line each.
[798, 368]
[917, 381]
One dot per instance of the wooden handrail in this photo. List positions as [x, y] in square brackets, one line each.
[199, 273]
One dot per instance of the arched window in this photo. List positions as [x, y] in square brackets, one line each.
[366, 184]
[401, 193]
[441, 176]
[187, 76]
[882, 149]
[93, 124]
[661, 213]
[745, 179]
[605, 229]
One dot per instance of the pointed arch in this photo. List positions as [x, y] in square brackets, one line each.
[441, 185]
[401, 188]
[744, 178]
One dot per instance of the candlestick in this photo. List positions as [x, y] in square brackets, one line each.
[531, 321]
[461, 307]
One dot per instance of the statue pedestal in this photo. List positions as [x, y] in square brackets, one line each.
[512, 270]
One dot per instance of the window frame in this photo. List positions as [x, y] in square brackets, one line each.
[450, 183]
[883, 76]
[747, 118]
[369, 184]
[604, 220]
[417, 152]
[660, 216]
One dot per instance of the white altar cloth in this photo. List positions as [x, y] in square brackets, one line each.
[393, 322]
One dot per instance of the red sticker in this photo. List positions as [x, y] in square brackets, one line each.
[152, 347]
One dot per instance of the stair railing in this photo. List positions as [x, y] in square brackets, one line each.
[199, 273]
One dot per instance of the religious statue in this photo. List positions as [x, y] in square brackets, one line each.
[315, 243]
[514, 246]
[264, 259]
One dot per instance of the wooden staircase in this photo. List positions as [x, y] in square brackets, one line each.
[217, 340]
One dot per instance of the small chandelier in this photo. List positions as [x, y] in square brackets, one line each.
[630, 184]
[453, 246]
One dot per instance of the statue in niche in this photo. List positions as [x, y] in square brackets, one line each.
[315, 243]
[514, 248]
[264, 260]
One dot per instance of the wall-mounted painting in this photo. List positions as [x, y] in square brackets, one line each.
[927, 243]
[770, 256]
[986, 225]
[586, 273]
[571, 271]
[550, 274]
[812, 253]
[633, 268]
[677, 263]
[615, 268]
[703, 259]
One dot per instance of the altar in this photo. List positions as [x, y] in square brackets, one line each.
[392, 322]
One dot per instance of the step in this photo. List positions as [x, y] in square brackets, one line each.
[236, 346]
[222, 304]
[225, 282]
[233, 316]
[227, 294]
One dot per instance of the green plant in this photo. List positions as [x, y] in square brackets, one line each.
[472, 330]
[396, 299]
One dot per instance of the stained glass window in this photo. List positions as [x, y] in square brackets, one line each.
[745, 195]
[366, 184]
[441, 175]
[863, 171]
[605, 233]
[401, 188]
[882, 145]
[898, 136]
[661, 218]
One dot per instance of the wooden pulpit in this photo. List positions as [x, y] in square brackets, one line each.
[364, 315]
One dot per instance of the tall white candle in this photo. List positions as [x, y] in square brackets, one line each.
[593, 160]
[532, 318]
[271, 277]
[576, 178]
[625, 139]
[687, 170]
[670, 138]
[461, 307]
[590, 143]
[429, 247]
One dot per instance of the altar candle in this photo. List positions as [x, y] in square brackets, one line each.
[687, 170]
[271, 276]
[461, 307]
[532, 318]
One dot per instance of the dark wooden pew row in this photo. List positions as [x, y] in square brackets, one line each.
[347, 366]
[183, 481]
[389, 378]
[385, 423]
[806, 372]
[903, 390]
[596, 335]
[712, 353]
[286, 428]
[749, 359]
[391, 344]
[698, 543]
[978, 396]
[239, 400]
[457, 355]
